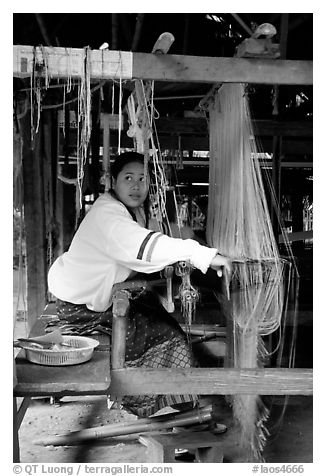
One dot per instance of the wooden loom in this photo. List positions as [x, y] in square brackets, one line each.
[63, 63]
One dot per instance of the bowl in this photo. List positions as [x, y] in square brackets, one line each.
[76, 350]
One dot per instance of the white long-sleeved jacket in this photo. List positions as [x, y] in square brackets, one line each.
[107, 247]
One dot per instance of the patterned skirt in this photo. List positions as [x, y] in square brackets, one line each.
[154, 340]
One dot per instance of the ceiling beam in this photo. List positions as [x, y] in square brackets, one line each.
[192, 134]
[261, 127]
[106, 64]
[242, 23]
[289, 147]
[41, 24]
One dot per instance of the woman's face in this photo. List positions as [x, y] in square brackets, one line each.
[130, 186]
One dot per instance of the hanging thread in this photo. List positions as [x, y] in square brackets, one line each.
[238, 224]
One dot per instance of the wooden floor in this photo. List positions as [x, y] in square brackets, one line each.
[290, 441]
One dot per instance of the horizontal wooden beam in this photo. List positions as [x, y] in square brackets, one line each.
[297, 236]
[202, 69]
[194, 136]
[300, 129]
[212, 381]
[261, 127]
[58, 62]
[289, 146]
[197, 381]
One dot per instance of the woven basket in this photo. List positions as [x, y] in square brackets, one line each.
[81, 350]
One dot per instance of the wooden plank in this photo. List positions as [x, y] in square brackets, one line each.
[89, 378]
[106, 64]
[69, 62]
[211, 381]
[201, 69]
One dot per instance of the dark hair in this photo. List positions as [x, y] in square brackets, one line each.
[122, 160]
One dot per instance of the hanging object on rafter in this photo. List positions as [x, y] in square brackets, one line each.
[163, 43]
[139, 128]
[83, 128]
[17, 164]
[141, 117]
[39, 81]
[260, 44]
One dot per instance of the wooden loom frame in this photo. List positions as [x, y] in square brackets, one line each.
[180, 68]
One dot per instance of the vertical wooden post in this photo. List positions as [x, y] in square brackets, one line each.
[119, 328]
[67, 135]
[276, 177]
[106, 149]
[34, 222]
[297, 216]
[138, 29]
[277, 140]
[284, 34]
[95, 145]
[114, 31]
[59, 217]
[186, 34]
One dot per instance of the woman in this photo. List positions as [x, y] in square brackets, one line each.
[112, 243]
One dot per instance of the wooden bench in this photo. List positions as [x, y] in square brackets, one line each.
[33, 380]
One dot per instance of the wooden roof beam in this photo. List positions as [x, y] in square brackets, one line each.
[201, 69]
[65, 62]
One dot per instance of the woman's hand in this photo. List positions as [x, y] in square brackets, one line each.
[220, 263]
